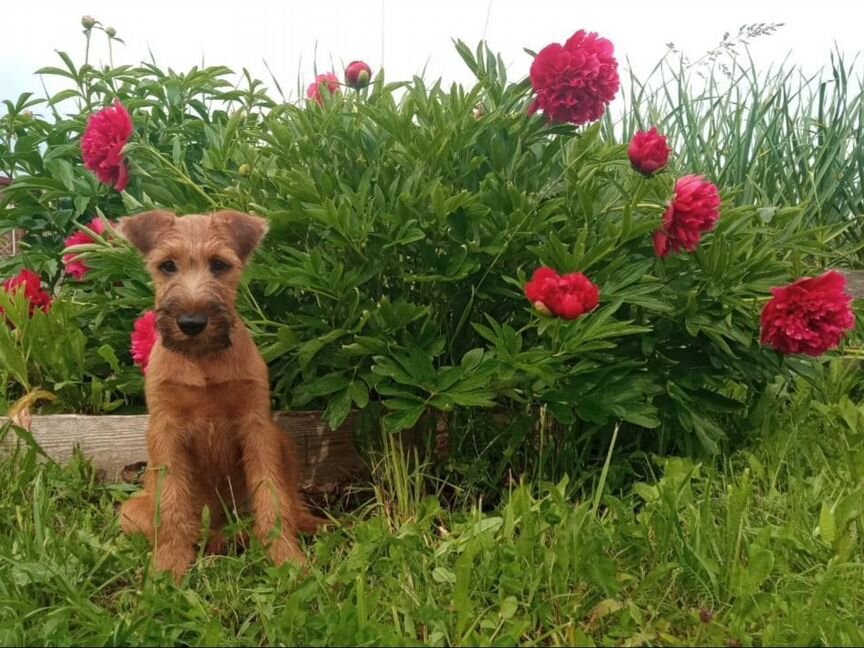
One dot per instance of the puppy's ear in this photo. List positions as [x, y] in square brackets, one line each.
[144, 230]
[244, 230]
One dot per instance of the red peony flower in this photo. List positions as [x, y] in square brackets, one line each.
[74, 266]
[357, 74]
[30, 284]
[329, 81]
[574, 82]
[144, 336]
[568, 296]
[648, 151]
[661, 243]
[809, 316]
[542, 281]
[693, 210]
[102, 145]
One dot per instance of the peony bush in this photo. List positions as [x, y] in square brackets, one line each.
[432, 251]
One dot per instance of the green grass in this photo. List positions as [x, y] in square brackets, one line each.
[780, 136]
[760, 548]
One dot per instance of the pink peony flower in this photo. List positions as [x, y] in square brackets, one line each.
[102, 145]
[808, 317]
[71, 261]
[328, 82]
[29, 283]
[567, 296]
[648, 152]
[693, 211]
[144, 336]
[574, 82]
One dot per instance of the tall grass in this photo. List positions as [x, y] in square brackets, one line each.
[774, 137]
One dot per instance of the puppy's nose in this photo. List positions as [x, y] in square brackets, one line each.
[192, 323]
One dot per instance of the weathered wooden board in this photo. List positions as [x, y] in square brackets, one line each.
[116, 443]
[854, 282]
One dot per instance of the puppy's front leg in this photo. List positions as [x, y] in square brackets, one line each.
[177, 528]
[273, 504]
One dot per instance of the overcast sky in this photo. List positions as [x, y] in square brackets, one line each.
[404, 37]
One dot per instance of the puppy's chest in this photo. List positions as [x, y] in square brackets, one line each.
[215, 445]
[214, 403]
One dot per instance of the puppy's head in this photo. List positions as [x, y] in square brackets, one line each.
[196, 262]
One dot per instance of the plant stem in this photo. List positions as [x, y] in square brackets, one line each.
[599, 494]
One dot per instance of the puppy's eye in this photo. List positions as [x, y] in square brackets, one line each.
[168, 267]
[218, 266]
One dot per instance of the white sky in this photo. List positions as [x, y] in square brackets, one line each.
[404, 36]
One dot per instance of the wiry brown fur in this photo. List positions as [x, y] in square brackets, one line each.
[211, 438]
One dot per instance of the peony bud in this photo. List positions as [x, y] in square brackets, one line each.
[245, 170]
[111, 32]
[357, 74]
[648, 152]
[328, 81]
[88, 22]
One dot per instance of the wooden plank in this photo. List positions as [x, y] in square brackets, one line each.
[114, 444]
[854, 282]
[328, 457]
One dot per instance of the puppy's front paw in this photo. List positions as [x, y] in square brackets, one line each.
[285, 549]
[174, 558]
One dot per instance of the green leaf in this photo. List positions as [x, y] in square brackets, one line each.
[419, 365]
[849, 508]
[472, 359]
[602, 570]
[12, 358]
[759, 567]
[309, 349]
[509, 606]
[106, 352]
[62, 170]
[384, 366]
[338, 409]
[55, 71]
[81, 204]
[359, 393]
[827, 524]
[69, 63]
[443, 575]
[63, 95]
[473, 399]
[326, 385]
[647, 492]
[403, 419]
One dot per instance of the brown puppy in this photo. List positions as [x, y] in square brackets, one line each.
[211, 438]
